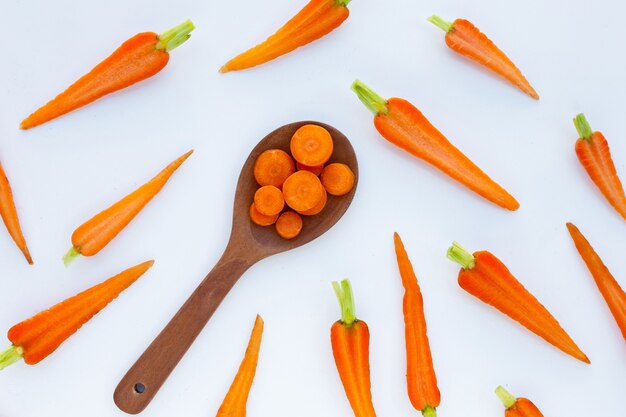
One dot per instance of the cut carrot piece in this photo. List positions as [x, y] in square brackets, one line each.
[273, 167]
[303, 191]
[269, 200]
[289, 225]
[261, 219]
[312, 145]
[318, 208]
[313, 170]
[517, 407]
[337, 179]
[8, 212]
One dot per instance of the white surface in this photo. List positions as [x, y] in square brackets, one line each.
[66, 171]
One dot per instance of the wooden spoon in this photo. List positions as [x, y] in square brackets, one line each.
[248, 244]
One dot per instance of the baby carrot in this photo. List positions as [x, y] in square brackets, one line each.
[289, 225]
[36, 338]
[613, 294]
[93, 235]
[8, 212]
[261, 219]
[337, 179]
[311, 145]
[465, 38]
[405, 126]
[234, 404]
[420, 373]
[488, 279]
[273, 167]
[303, 191]
[517, 407]
[350, 339]
[269, 200]
[140, 57]
[594, 155]
[316, 19]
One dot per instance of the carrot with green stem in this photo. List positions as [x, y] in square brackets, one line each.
[485, 277]
[36, 338]
[465, 38]
[140, 57]
[420, 372]
[517, 407]
[610, 289]
[594, 155]
[8, 212]
[316, 19]
[405, 126]
[350, 340]
[93, 235]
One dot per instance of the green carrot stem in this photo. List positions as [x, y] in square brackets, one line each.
[582, 126]
[372, 101]
[440, 23]
[70, 256]
[343, 290]
[175, 37]
[429, 412]
[342, 2]
[458, 254]
[10, 356]
[506, 397]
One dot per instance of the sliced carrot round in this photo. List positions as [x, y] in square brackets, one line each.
[311, 145]
[261, 219]
[337, 179]
[269, 200]
[313, 170]
[303, 191]
[289, 225]
[317, 209]
[273, 167]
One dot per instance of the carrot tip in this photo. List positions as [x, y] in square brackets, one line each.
[429, 412]
[440, 23]
[508, 400]
[10, 356]
[224, 69]
[372, 101]
[582, 126]
[26, 253]
[176, 36]
[461, 256]
[343, 290]
[70, 256]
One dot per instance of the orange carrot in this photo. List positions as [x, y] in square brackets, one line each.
[405, 126]
[140, 57]
[316, 19]
[234, 404]
[337, 179]
[350, 339]
[273, 167]
[261, 219]
[420, 373]
[613, 294]
[594, 155]
[517, 407]
[465, 38]
[311, 145]
[319, 207]
[289, 225]
[314, 170]
[8, 212]
[93, 235]
[303, 191]
[36, 338]
[488, 279]
[269, 200]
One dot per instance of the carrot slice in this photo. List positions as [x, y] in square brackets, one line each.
[318, 208]
[303, 191]
[313, 170]
[261, 219]
[289, 225]
[337, 179]
[273, 167]
[517, 407]
[269, 200]
[8, 212]
[311, 145]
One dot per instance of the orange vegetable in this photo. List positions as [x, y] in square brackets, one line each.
[261, 219]
[93, 235]
[319, 207]
[337, 179]
[140, 57]
[289, 225]
[273, 167]
[269, 200]
[405, 126]
[517, 407]
[465, 38]
[234, 404]
[311, 145]
[36, 338]
[350, 340]
[314, 170]
[303, 191]
[488, 279]
[594, 155]
[315, 20]
[8, 213]
[420, 373]
[613, 294]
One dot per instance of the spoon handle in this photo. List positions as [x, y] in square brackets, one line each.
[144, 379]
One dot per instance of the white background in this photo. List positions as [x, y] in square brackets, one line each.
[64, 172]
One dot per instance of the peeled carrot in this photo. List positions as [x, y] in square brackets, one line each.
[420, 373]
[261, 219]
[303, 191]
[140, 57]
[405, 126]
[316, 19]
[319, 207]
[289, 225]
[465, 38]
[36, 338]
[8, 212]
[488, 279]
[337, 179]
[273, 167]
[311, 145]
[594, 155]
[314, 170]
[517, 407]
[234, 404]
[350, 339]
[613, 294]
[269, 200]
[93, 235]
